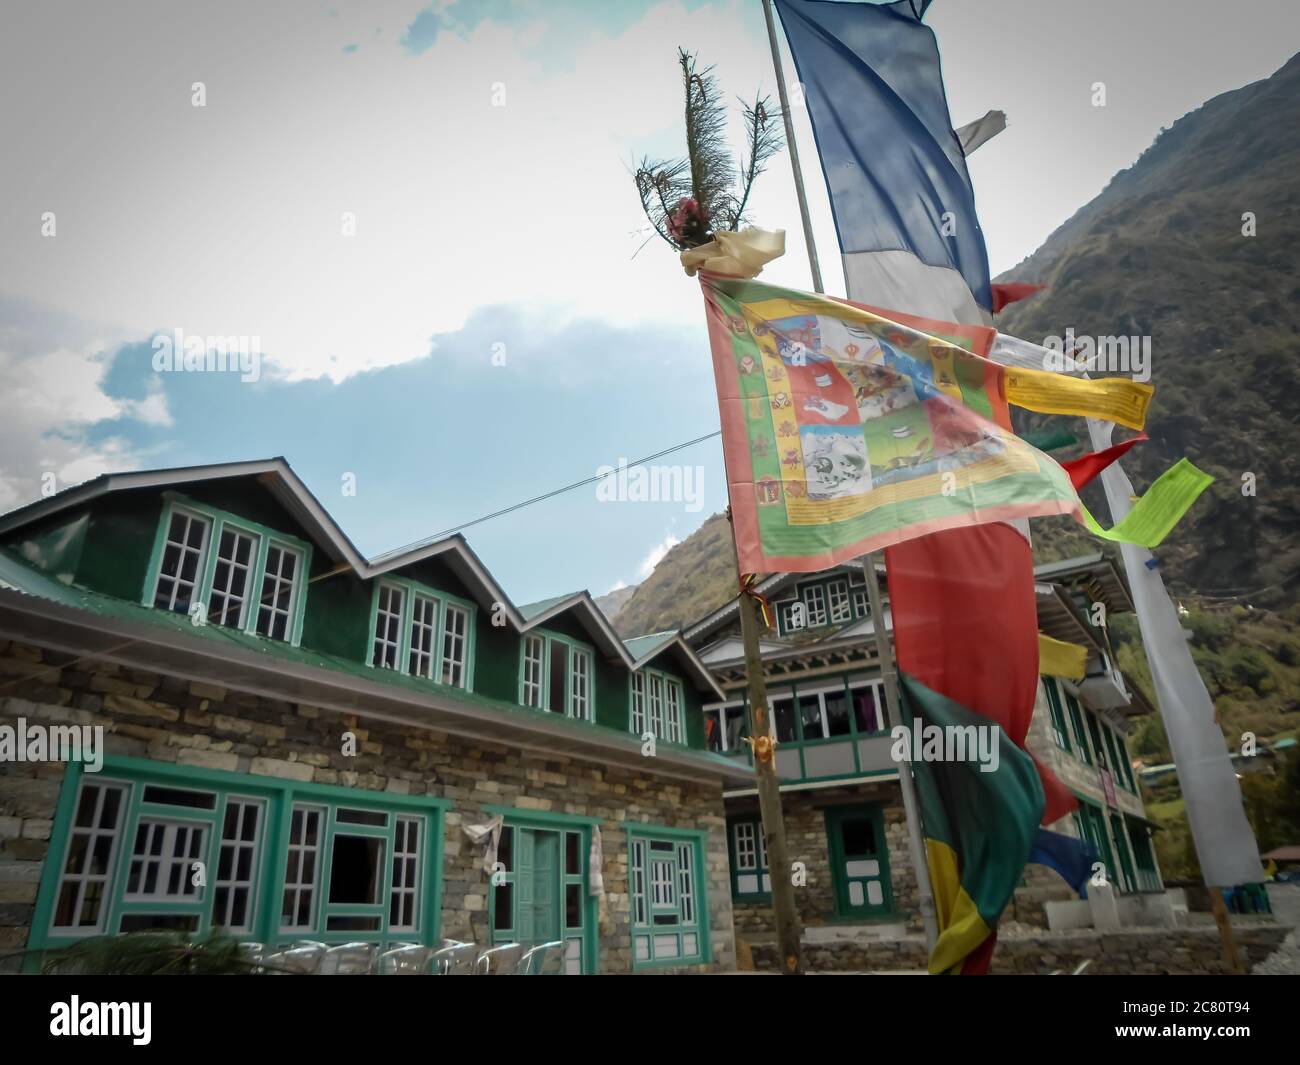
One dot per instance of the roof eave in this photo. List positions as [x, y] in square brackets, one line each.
[141, 645]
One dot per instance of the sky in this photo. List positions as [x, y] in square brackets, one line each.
[425, 215]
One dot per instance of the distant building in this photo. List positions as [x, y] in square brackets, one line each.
[843, 810]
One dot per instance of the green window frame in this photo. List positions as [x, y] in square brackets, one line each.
[1102, 755]
[751, 878]
[837, 601]
[416, 644]
[1057, 712]
[536, 675]
[212, 574]
[135, 863]
[1076, 727]
[667, 896]
[1122, 762]
[1089, 820]
[579, 908]
[725, 726]
[657, 704]
[1148, 879]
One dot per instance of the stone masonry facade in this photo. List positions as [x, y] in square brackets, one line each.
[805, 830]
[1146, 951]
[169, 719]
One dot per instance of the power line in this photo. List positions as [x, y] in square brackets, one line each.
[550, 495]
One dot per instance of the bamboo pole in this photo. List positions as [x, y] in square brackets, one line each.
[788, 932]
[889, 673]
[884, 650]
[794, 150]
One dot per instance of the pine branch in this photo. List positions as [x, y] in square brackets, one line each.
[706, 146]
[763, 131]
[686, 200]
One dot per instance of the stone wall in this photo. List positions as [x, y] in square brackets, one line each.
[1153, 952]
[168, 719]
[805, 830]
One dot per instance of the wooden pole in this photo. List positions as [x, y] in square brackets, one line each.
[788, 932]
[1231, 955]
[794, 150]
[888, 672]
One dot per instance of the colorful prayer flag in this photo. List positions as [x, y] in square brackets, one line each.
[845, 431]
[979, 829]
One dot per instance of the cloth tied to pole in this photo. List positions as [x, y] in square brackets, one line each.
[742, 254]
[749, 587]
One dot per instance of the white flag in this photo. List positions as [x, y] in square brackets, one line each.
[1225, 844]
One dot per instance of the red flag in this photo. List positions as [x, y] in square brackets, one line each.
[1012, 292]
[1086, 467]
[966, 623]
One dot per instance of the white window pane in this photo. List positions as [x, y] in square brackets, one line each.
[875, 893]
[181, 566]
[455, 642]
[855, 893]
[231, 578]
[388, 626]
[863, 868]
[665, 946]
[278, 597]
[91, 856]
[424, 629]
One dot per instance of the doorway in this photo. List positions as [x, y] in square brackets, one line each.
[859, 861]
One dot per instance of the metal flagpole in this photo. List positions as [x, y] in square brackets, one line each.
[884, 648]
[794, 150]
[889, 673]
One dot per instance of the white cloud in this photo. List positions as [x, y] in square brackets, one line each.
[230, 223]
[656, 555]
[52, 370]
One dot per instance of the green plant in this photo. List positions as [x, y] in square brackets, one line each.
[153, 953]
[687, 199]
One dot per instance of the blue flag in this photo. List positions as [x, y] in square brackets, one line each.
[1072, 858]
[902, 198]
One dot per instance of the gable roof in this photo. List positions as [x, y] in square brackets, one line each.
[82, 622]
[274, 474]
[644, 649]
[277, 477]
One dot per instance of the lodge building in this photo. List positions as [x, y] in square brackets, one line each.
[317, 730]
[840, 793]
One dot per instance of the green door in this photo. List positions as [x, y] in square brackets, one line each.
[1125, 859]
[537, 879]
[859, 861]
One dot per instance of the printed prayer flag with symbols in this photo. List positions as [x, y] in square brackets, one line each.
[846, 431]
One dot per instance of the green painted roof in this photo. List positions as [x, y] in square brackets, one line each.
[532, 610]
[641, 646]
[17, 575]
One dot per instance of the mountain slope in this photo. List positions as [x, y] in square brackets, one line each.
[1161, 253]
[696, 576]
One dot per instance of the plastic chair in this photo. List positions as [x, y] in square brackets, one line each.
[499, 961]
[545, 959]
[455, 960]
[350, 959]
[253, 954]
[300, 961]
[411, 960]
